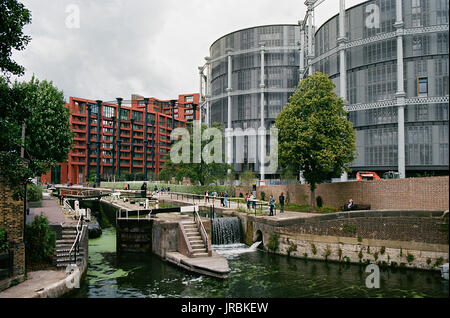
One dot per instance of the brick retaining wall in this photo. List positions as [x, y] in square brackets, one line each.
[11, 220]
[415, 193]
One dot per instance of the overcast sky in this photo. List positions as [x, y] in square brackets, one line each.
[148, 47]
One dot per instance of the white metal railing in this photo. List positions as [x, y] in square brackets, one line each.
[75, 246]
[202, 229]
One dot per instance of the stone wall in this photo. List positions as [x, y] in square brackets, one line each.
[415, 193]
[413, 239]
[12, 221]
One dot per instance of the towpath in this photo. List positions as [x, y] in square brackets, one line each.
[38, 280]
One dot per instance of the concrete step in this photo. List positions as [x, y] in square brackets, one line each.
[195, 255]
[64, 242]
[198, 245]
[69, 231]
[66, 248]
[192, 234]
[63, 255]
[69, 237]
[199, 250]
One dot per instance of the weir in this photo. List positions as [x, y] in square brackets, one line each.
[226, 231]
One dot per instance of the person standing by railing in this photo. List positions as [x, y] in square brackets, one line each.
[207, 196]
[225, 199]
[271, 205]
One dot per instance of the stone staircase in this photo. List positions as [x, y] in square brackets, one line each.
[196, 242]
[63, 246]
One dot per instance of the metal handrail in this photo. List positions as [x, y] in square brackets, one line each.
[77, 239]
[202, 229]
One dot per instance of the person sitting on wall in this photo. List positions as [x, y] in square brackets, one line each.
[349, 206]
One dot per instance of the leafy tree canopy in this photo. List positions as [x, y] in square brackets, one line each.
[315, 136]
[48, 137]
[203, 173]
[13, 17]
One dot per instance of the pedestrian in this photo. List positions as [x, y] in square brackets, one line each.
[253, 201]
[214, 196]
[168, 189]
[221, 199]
[207, 195]
[225, 199]
[247, 201]
[281, 200]
[155, 189]
[144, 190]
[271, 205]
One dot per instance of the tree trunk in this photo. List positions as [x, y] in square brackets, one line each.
[313, 198]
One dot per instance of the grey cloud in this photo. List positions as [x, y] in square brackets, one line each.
[137, 46]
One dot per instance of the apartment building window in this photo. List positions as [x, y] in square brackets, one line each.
[109, 111]
[189, 99]
[422, 87]
[124, 114]
[81, 107]
[137, 116]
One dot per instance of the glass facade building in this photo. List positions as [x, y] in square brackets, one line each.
[271, 49]
[378, 36]
[372, 55]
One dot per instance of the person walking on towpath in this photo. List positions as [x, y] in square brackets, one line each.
[271, 205]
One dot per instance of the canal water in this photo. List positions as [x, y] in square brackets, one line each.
[254, 274]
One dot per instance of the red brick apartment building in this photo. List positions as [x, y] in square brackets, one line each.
[129, 149]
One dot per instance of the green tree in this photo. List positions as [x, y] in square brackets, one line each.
[200, 173]
[48, 137]
[315, 136]
[247, 177]
[13, 17]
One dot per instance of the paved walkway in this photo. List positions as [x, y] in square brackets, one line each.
[233, 206]
[36, 281]
[49, 206]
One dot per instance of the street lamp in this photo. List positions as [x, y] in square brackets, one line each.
[146, 100]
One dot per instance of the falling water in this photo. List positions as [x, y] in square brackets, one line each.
[226, 231]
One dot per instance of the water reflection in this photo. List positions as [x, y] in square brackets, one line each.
[254, 274]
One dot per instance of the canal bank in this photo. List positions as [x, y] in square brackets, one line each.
[415, 239]
[254, 274]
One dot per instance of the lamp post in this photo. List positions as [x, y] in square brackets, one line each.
[119, 104]
[146, 100]
[99, 109]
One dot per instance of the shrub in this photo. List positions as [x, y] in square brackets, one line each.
[3, 241]
[292, 248]
[319, 201]
[34, 193]
[314, 249]
[273, 242]
[410, 258]
[263, 196]
[39, 240]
